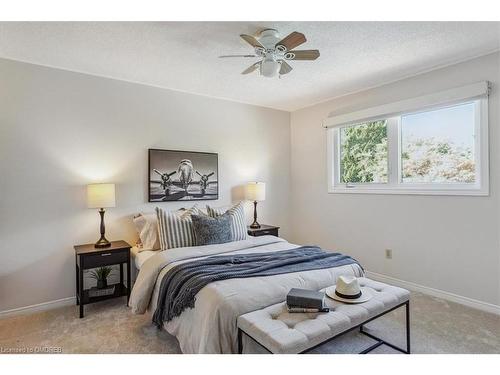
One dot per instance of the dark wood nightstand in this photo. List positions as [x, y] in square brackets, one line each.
[88, 257]
[264, 230]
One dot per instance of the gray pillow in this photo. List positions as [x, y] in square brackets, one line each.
[211, 230]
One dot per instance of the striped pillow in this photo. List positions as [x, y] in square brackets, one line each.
[238, 221]
[175, 228]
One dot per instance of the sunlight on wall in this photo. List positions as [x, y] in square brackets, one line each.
[248, 169]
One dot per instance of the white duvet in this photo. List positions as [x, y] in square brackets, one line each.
[210, 327]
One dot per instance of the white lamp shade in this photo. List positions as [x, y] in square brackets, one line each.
[256, 191]
[100, 195]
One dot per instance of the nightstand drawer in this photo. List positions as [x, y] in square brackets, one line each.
[104, 259]
[267, 232]
[264, 230]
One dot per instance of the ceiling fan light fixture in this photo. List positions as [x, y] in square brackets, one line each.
[259, 51]
[269, 68]
[280, 48]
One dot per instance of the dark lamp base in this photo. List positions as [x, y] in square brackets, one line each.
[255, 224]
[102, 243]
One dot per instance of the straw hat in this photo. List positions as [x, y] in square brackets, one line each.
[348, 290]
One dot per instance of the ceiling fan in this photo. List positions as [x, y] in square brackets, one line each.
[275, 52]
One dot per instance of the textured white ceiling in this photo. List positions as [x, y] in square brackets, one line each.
[184, 55]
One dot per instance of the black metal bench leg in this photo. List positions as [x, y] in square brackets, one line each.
[408, 327]
[240, 342]
[382, 342]
[374, 346]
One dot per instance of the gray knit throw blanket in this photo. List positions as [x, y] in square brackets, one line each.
[181, 283]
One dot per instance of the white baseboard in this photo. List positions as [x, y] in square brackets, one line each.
[480, 305]
[39, 307]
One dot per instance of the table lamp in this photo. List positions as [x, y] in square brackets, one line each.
[256, 192]
[101, 196]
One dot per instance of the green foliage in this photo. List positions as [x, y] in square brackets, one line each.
[443, 148]
[101, 273]
[364, 153]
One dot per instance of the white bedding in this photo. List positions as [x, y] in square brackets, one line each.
[140, 257]
[210, 327]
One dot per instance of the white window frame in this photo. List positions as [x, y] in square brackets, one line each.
[477, 93]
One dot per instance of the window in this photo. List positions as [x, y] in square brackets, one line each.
[441, 149]
[438, 146]
[363, 153]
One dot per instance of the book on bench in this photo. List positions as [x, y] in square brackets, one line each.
[292, 309]
[304, 300]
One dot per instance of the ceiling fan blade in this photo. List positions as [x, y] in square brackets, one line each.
[251, 68]
[285, 67]
[291, 41]
[309, 54]
[224, 56]
[251, 40]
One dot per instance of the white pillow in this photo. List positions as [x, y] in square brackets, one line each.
[238, 221]
[175, 228]
[146, 225]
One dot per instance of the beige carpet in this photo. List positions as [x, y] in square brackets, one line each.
[437, 326]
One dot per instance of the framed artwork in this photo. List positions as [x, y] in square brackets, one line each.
[182, 175]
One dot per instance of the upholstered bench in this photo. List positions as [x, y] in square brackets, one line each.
[278, 331]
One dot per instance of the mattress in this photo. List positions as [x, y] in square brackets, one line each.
[140, 257]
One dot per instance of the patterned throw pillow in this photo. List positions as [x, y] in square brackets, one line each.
[175, 228]
[238, 221]
[211, 230]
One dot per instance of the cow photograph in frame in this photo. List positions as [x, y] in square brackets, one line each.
[182, 175]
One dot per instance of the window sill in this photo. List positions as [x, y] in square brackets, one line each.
[409, 191]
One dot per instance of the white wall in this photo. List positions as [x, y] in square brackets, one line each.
[61, 130]
[449, 243]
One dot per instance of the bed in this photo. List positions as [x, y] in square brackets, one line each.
[138, 259]
[211, 326]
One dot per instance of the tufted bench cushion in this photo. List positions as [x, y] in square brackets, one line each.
[282, 332]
